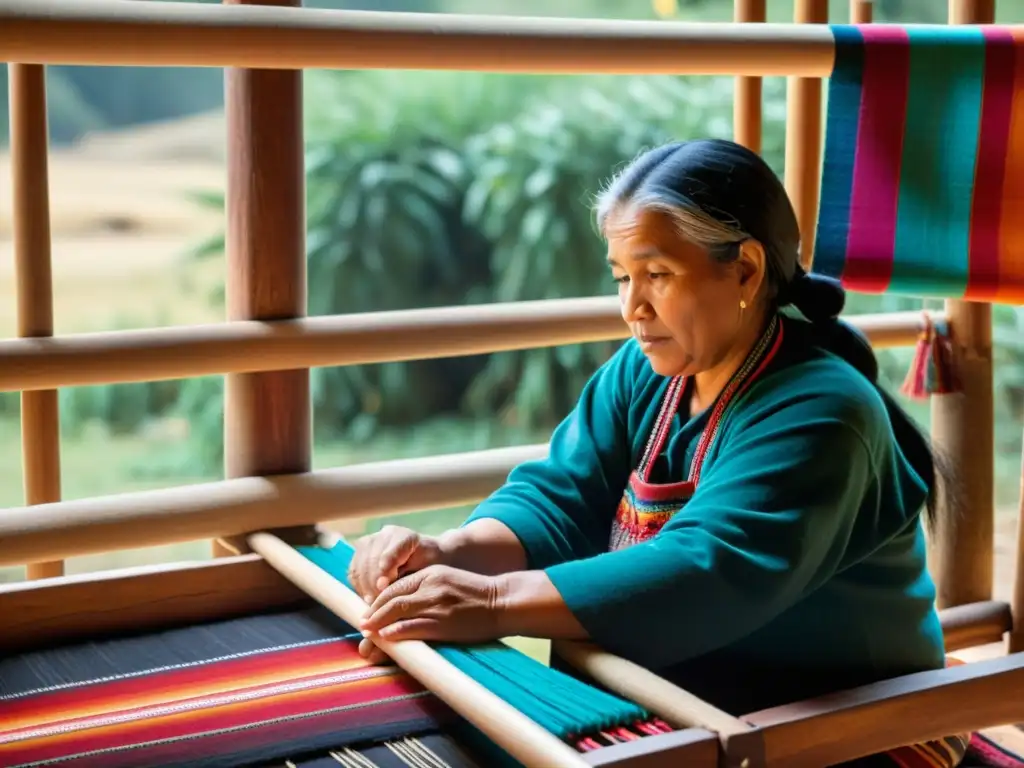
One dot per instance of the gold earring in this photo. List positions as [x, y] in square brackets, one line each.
[743, 304]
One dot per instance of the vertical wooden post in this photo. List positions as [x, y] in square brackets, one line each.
[267, 428]
[1015, 641]
[804, 139]
[747, 101]
[40, 422]
[861, 11]
[961, 547]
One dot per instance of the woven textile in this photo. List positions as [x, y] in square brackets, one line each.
[923, 178]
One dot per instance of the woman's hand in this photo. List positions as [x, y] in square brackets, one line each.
[436, 603]
[381, 558]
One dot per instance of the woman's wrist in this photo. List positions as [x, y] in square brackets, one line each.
[449, 545]
[527, 603]
[483, 546]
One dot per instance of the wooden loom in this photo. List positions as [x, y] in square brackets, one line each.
[271, 487]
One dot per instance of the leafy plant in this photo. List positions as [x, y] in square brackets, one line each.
[531, 196]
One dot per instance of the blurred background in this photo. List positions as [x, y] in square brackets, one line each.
[424, 189]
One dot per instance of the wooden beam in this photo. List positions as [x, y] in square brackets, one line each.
[115, 32]
[156, 354]
[844, 726]
[50, 612]
[242, 505]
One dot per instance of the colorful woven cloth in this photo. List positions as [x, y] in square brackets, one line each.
[294, 698]
[923, 178]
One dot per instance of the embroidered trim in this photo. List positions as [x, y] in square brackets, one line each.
[762, 353]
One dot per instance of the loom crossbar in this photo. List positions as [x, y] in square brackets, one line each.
[506, 726]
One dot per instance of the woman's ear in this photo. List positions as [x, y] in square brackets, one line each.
[752, 265]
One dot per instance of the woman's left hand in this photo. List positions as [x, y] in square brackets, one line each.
[437, 603]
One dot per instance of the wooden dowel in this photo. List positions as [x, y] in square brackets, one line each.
[974, 624]
[861, 11]
[506, 726]
[747, 106]
[373, 337]
[40, 419]
[117, 32]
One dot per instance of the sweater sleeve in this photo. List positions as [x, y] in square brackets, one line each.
[771, 519]
[561, 507]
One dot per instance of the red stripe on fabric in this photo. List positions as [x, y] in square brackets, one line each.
[990, 172]
[350, 680]
[870, 248]
[652, 493]
[377, 704]
[196, 679]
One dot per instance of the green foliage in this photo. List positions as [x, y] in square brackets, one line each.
[10, 404]
[434, 189]
[438, 189]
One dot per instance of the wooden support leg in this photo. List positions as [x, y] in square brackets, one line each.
[961, 548]
[267, 426]
[747, 122]
[40, 422]
[1015, 641]
[803, 138]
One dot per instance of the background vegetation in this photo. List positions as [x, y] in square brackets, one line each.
[424, 189]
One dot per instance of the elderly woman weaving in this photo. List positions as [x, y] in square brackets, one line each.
[733, 503]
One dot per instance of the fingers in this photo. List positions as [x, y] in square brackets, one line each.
[400, 600]
[422, 628]
[369, 651]
[394, 555]
[379, 558]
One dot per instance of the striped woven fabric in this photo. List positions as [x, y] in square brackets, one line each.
[306, 695]
[923, 178]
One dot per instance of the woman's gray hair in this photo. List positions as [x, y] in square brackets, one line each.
[690, 221]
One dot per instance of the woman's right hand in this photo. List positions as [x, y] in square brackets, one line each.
[381, 558]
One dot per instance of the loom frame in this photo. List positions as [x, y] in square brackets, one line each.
[268, 346]
[156, 598]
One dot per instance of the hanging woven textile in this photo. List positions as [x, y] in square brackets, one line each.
[923, 181]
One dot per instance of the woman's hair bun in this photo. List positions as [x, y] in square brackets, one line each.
[818, 298]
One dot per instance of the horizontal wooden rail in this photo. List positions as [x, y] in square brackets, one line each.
[372, 337]
[126, 33]
[844, 726]
[974, 624]
[233, 507]
[156, 597]
[249, 346]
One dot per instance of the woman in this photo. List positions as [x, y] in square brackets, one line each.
[733, 503]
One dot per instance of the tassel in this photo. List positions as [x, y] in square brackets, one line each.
[931, 371]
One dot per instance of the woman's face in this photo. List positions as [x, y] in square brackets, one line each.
[682, 306]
